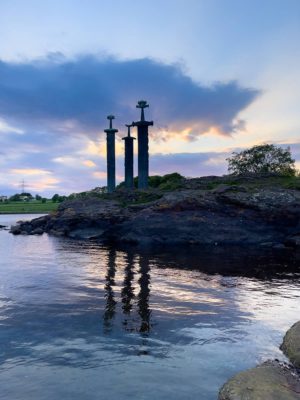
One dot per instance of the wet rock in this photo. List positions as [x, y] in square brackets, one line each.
[55, 232]
[291, 344]
[2, 226]
[15, 230]
[37, 231]
[269, 381]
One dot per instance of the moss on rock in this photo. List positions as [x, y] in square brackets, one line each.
[291, 344]
[268, 381]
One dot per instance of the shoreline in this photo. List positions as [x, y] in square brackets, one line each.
[25, 213]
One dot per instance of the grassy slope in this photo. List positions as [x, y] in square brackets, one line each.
[36, 207]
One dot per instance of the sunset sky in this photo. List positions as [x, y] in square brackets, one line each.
[219, 75]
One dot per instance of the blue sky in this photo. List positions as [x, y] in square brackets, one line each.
[219, 75]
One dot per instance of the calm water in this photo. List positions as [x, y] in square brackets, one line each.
[83, 321]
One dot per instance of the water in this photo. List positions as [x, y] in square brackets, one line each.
[83, 321]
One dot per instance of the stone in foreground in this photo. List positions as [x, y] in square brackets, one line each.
[269, 381]
[291, 344]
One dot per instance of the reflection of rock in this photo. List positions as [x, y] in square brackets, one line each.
[127, 292]
[291, 344]
[109, 291]
[269, 381]
[144, 294]
[293, 241]
[86, 233]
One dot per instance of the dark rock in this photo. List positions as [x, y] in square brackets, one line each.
[15, 230]
[37, 231]
[223, 188]
[56, 232]
[189, 216]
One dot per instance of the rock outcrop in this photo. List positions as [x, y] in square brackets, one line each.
[223, 214]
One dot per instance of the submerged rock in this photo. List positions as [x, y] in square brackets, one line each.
[269, 381]
[291, 344]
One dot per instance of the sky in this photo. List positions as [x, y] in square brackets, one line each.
[219, 75]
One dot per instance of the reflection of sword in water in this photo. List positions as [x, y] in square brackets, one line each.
[127, 292]
[144, 294]
[109, 292]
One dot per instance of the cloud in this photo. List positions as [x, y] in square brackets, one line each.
[69, 96]
[89, 163]
[190, 164]
[29, 171]
[5, 128]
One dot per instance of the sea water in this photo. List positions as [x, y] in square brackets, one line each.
[79, 320]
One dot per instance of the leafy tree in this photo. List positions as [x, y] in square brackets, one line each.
[38, 197]
[15, 197]
[58, 199]
[265, 158]
[20, 196]
[62, 198]
[44, 200]
[55, 198]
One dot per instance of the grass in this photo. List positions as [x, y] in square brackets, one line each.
[284, 182]
[20, 207]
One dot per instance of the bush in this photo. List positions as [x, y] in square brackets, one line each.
[166, 182]
[261, 159]
[58, 199]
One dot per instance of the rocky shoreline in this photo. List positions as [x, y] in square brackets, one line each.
[272, 379]
[201, 211]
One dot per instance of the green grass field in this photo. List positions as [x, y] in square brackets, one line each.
[37, 207]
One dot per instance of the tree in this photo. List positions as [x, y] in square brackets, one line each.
[38, 197]
[20, 197]
[55, 198]
[260, 159]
